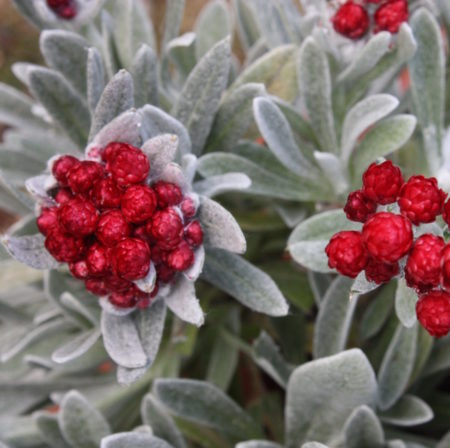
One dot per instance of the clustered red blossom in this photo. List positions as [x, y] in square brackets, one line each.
[66, 9]
[386, 238]
[352, 19]
[109, 225]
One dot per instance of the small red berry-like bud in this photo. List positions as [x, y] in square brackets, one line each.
[446, 213]
[193, 234]
[346, 253]
[130, 259]
[62, 167]
[78, 217]
[379, 272]
[166, 228]
[423, 268]
[105, 194]
[111, 150]
[112, 228]
[159, 255]
[83, 176]
[128, 166]
[117, 284]
[64, 247]
[96, 286]
[126, 299]
[97, 260]
[167, 194]
[351, 20]
[387, 237]
[165, 274]
[47, 220]
[181, 258]
[63, 195]
[79, 269]
[421, 200]
[66, 9]
[141, 233]
[359, 207]
[445, 268]
[390, 15]
[188, 208]
[138, 203]
[433, 312]
[382, 182]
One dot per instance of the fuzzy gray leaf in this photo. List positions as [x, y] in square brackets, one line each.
[315, 87]
[160, 150]
[76, 347]
[335, 318]
[233, 117]
[133, 439]
[62, 102]
[397, 366]
[334, 170]
[323, 393]
[30, 250]
[126, 377]
[258, 444]
[215, 185]
[67, 53]
[145, 77]
[174, 17]
[122, 342]
[49, 430]
[245, 282]
[205, 404]
[156, 416]
[363, 429]
[314, 445]
[81, 424]
[155, 122]
[405, 304]
[95, 78]
[200, 97]
[181, 52]
[408, 411]
[117, 97]
[183, 302]
[220, 228]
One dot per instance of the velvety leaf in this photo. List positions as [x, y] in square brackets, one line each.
[204, 404]
[408, 411]
[145, 76]
[314, 445]
[62, 102]
[323, 393]
[160, 150]
[213, 24]
[122, 341]
[76, 347]
[427, 70]
[233, 117]
[28, 9]
[215, 185]
[183, 302]
[67, 53]
[246, 25]
[243, 281]
[156, 416]
[267, 355]
[334, 319]
[117, 97]
[396, 367]
[95, 78]
[362, 116]
[405, 304]
[49, 430]
[199, 100]
[30, 250]
[81, 424]
[181, 52]
[334, 170]
[315, 87]
[258, 444]
[174, 17]
[133, 439]
[363, 429]
[220, 228]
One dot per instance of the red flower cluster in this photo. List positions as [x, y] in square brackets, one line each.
[66, 9]
[387, 237]
[353, 21]
[109, 225]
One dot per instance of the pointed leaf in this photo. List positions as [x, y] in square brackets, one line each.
[199, 100]
[145, 77]
[408, 411]
[243, 281]
[95, 78]
[174, 17]
[405, 304]
[323, 393]
[363, 429]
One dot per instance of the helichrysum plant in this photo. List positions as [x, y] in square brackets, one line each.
[306, 177]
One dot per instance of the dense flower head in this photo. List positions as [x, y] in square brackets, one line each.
[445, 268]
[421, 200]
[114, 227]
[390, 15]
[351, 20]
[65, 9]
[423, 267]
[382, 182]
[359, 207]
[346, 253]
[379, 272]
[433, 312]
